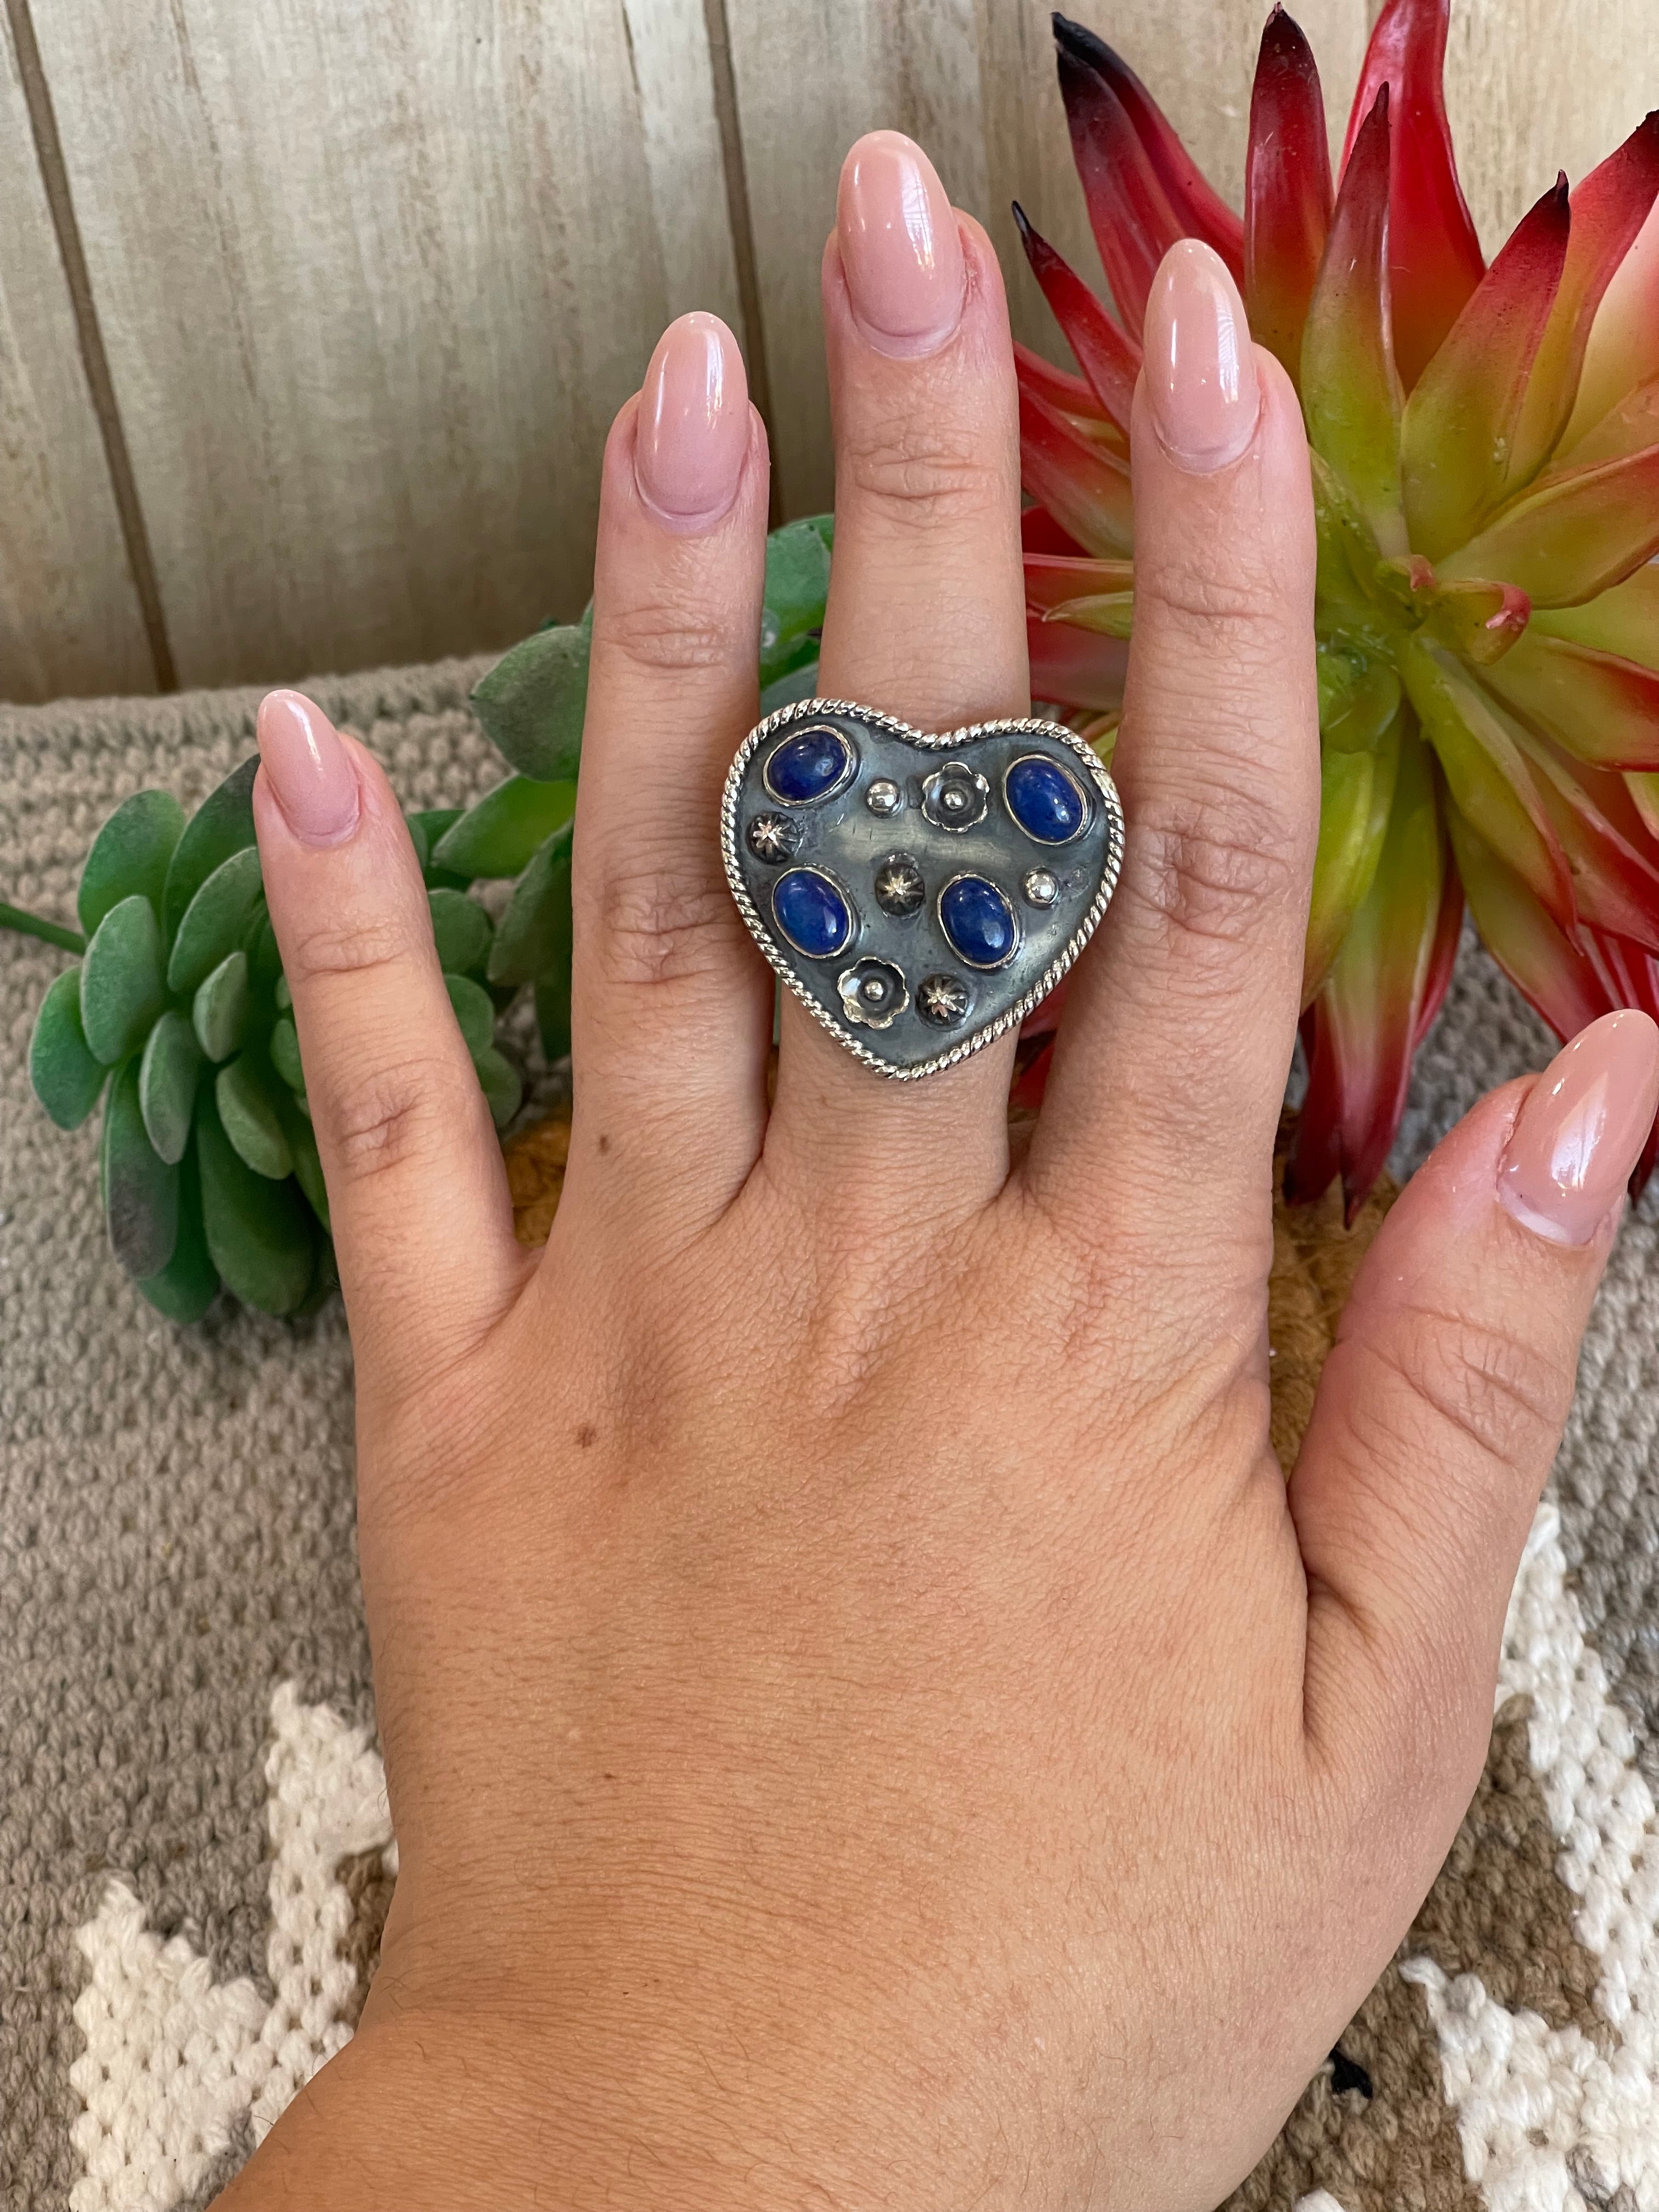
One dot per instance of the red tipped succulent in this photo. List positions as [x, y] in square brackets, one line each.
[1485, 459]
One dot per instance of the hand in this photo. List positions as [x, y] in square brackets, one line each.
[867, 1722]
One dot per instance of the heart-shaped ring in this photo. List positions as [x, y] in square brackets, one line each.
[919, 894]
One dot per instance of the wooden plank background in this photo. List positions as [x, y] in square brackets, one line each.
[313, 316]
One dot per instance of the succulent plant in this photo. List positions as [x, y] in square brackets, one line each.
[1485, 459]
[178, 1016]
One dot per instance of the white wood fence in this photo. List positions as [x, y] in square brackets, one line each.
[313, 312]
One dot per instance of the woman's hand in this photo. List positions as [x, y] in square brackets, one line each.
[867, 1724]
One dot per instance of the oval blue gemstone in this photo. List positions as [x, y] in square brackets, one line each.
[1046, 799]
[812, 913]
[809, 766]
[978, 922]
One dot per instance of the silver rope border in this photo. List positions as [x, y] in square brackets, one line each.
[1014, 726]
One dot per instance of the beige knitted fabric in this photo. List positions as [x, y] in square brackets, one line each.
[194, 1851]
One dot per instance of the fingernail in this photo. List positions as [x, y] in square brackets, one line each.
[899, 245]
[1582, 1129]
[309, 769]
[1199, 365]
[691, 434]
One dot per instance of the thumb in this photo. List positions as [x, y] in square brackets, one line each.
[1441, 1404]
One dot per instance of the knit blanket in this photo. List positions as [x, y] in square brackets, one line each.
[195, 1851]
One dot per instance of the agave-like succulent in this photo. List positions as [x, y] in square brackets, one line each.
[178, 1016]
[1485, 459]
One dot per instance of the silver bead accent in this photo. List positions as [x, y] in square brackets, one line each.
[883, 797]
[1041, 888]
[955, 796]
[873, 993]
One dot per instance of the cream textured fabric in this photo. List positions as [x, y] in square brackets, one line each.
[194, 1858]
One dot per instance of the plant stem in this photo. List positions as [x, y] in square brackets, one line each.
[36, 925]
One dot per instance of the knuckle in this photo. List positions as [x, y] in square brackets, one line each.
[669, 633]
[657, 927]
[1227, 607]
[383, 1118]
[917, 472]
[1209, 869]
[355, 946]
[1497, 1394]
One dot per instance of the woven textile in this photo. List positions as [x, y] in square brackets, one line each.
[195, 1855]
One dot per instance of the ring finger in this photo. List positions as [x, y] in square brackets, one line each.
[925, 619]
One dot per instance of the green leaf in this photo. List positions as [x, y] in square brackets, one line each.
[285, 995]
[260, 1234]
[121, 987]
[500, 834]
[324, 1280]
[67, 1077]
[800, 683]
[130, 855]
[553, 1012]
[222, 825]
[502, 1087]
[188, 1284]
[214, 922]
[475, 1009]
[247, 1109]
[308, 1161]
[536, 924]
[284, 1046]
[531, 703]
[167, 1076]
[264, 962]
[461, 931]
[425, 829]
[219, 1012]
[797, 587]
[141, 1189]
[825, 527]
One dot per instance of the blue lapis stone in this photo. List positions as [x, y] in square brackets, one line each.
[978, 922]
[1046, 799]
[812, 913]
[809, 766]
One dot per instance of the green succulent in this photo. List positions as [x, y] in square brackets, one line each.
[178, 1016]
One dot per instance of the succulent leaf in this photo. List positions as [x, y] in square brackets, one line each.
[1623, 350]
[498, 834]
[67, 1076]
[1356, 790]
[1608, 208]
[532, 701]
[475, 1012]
[222, 825]
[1602, 709]
[461, 931]
[502, 1087]
[284, 1046]
[1068, 396]
[1109, 361]
[1351, 393]
[1463, 422]
[141, 1189]
[1434, 255]
[213, 924]
[1624, 621]
[1574, 534]
[1134, 224]
[553, 1012]
[259, 1233]
[248, 1111]
[1287, 191]
[219, 1011]
[1084, 487]
[528, 943]
[1200, 210]
[167, 1075]
[1623, 430]
[184, 1289]
[121, 986]
[792, 601]
[1615, 886]
[129, 856]
[308, 1161]
[1076, 668]
[1543, 963]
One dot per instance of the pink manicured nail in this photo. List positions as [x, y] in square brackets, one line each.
[1582, 1129]
[899, 245]
[691, 435]
[1200, 367]
[309, 769]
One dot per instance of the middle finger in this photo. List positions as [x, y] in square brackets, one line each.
[926, 620]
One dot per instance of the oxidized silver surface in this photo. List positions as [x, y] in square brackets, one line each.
[895, 991]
